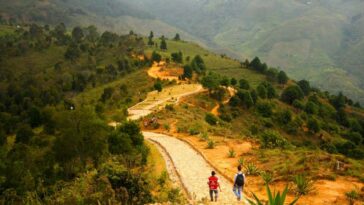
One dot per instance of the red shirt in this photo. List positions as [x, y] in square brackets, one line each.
[213, 182]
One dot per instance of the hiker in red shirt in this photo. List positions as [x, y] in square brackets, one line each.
[213, 185]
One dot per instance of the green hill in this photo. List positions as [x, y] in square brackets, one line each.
[60, 87]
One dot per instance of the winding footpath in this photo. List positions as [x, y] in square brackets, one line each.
[187, 169]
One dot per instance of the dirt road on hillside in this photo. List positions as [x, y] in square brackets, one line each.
[192, 168]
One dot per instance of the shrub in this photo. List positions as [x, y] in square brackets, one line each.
[354, 137]
[231, 153]
[303, 184]
[169, 107]
[211, 119]
[292, 93]
[24, 134]
[267, 177]
[193, 131]
[244, 84]
[298, 104]
[272, 139]
[328, 147]
[264, 109]
[162, 179]
[210, 144]
[204, 136]
[311, 108]
[241, 161]
[284, 117]
[167, 127]
[313, 125]
[352, 196]
[251, 169]
[273, 199]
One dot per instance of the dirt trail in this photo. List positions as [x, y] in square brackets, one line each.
[157, 100]
[192, 169]
[159, 70]
[232, 92]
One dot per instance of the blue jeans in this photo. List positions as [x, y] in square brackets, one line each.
[238, 191]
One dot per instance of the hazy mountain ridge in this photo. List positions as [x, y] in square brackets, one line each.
[305, 38]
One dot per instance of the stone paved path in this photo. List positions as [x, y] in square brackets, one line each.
[193, 169]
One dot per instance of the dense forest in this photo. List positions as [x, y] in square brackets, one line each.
[56, 152]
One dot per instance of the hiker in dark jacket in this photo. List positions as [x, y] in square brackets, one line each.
[239, 181]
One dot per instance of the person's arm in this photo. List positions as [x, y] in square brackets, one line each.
[234, 180]
[218, 184]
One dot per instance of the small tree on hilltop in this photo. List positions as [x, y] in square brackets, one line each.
[282, 77]
[177, 37]
[163, 45]
[305, 86]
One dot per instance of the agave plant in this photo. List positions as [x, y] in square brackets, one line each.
[303, 184]
[231, 153]
[273, 198]
[267, 176]
[251, 169]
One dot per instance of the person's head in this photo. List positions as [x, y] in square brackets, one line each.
[239, 168]
[213, 173]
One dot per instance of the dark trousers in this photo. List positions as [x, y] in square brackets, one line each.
[212, 191]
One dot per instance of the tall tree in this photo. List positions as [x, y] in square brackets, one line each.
[163, 45]
[177, 37]
[77, 34]
[282, 77]
[291, 94]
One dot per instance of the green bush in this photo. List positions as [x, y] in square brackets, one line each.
[210, 144]
[313, 125]
[303, 184]
[284, 117]
[265, 109]
[272, 139]
[204, 136]
[241, 161]
[193, 131]
[211, 119]
[352, 196]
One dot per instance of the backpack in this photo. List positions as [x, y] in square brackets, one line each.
[239, 181]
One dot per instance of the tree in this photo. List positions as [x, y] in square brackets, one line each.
[313, 125]
[106, 94]
[255, 63]
[82, 136]
[254, 96]
[211, 81]
[272, 74]
[120, 143]
[265, 109]
[198, 64]
[34, 117]
[72, 53]
[156, 57]
[163, 45]
[91, 33]
[305, 86]
[282, 77]
[158, 86]
[177, 57]
[77, 34]
[245, 98]
[211, 119]
[177, 37]
[187, 71]
[284, 117]
[338, 101]
[24, 134]
[244, 84]
[225, 81]
[342, 117]
[292, 93]
[233, 81]
[311, 108]
[3, 137]
[132, 129]
[150, 39]
[262, 91]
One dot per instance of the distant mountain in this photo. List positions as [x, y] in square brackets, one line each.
[112, 15]
[320, 40]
